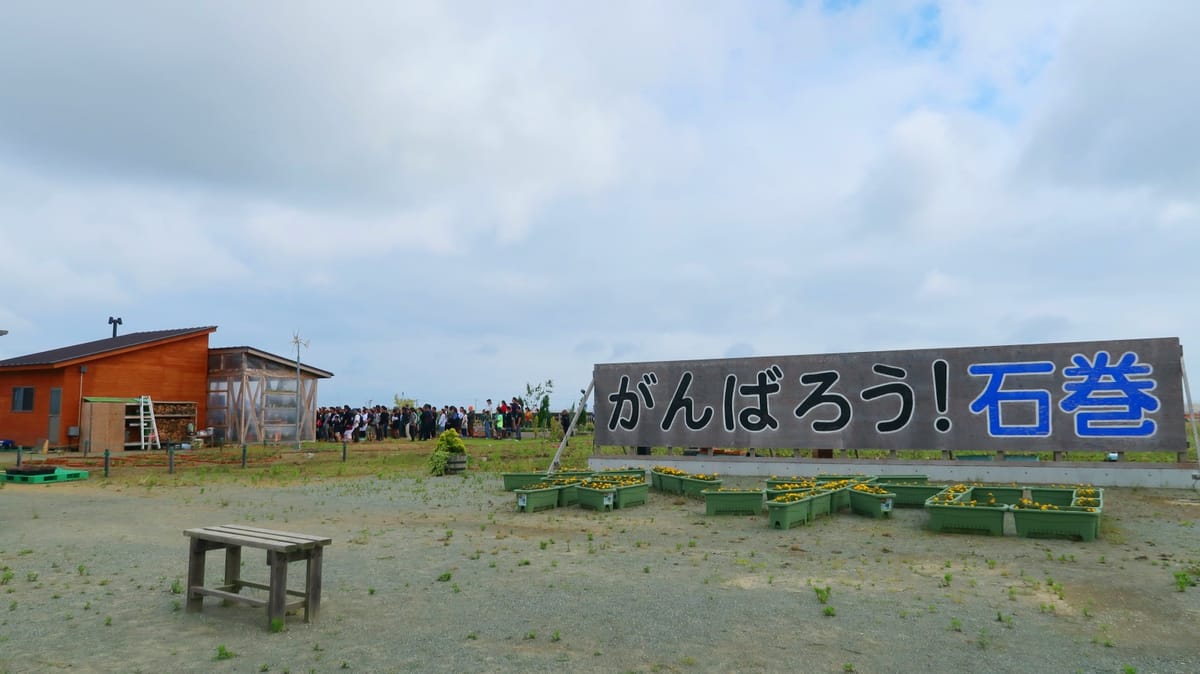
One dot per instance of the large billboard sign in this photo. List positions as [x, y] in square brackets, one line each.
[1081, 396]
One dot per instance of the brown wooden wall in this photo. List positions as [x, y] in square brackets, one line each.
[175, 370]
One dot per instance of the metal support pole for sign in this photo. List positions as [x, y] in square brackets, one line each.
[243, 455]
[170, 459]
[343, 451]
[574, 420]
[106, 455]
[1191, 411]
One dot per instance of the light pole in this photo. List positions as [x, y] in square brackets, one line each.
[114, 322]
[3, 333]
[298, 342]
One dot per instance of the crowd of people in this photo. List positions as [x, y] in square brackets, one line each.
[379, 422]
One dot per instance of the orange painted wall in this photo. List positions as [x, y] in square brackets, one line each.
[26, 428]
[175, 371]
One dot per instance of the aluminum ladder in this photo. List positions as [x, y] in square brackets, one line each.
[148, 423]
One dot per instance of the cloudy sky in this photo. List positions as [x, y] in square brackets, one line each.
[451, 199]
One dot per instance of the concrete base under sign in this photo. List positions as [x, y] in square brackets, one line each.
[1103, 474]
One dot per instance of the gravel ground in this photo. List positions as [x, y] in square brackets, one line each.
[659, 587]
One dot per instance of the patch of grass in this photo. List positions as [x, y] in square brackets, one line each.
[224, 653]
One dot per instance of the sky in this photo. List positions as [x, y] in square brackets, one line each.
[451, 200]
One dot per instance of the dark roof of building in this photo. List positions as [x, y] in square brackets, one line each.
[100, 347]
[290, 362]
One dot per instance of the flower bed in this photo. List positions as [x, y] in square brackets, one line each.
[627, 471]
[666, 479]
[902, 479]
[517, 480]
[1035, 520]
[694, 485]
[596, 498]
[537, 496]
[822, 503]
[626, 490]
[789, 509]
[957, 509]
[1059, 496]
[870, 500]
[912, 494]
[568, 492]
[733, 501]
[1050, 518]
[995, 495]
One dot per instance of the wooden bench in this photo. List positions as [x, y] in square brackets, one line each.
[282, 548]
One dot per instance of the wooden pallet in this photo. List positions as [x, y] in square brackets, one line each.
[59, 475]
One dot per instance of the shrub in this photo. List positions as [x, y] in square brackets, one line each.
[449, 442]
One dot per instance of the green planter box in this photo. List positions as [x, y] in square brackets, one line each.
[517, 480]
[852, 478]
[717, 502]
[623, 472]
[597, 499]
[532, 500]
[822, 504]
[775, 493]
[568, 495]
[695, 488]
[1001, 495]
[636, 494]
[655, 480]
[775, 482]
[840, 499]
[911, 494]
[669, 484]
[902, 479]
[967, 519]
[1059, 496]
[871, 505]
[1067, 522]
[784, 515]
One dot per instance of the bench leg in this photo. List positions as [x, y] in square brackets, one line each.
[277, 597]
[233, 569]
[312, 585]
[195, 577]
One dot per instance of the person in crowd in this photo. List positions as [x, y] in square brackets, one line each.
[487, 420]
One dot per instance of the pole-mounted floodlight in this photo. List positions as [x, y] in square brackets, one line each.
[114, 322]
[299, 343]
[3, 333]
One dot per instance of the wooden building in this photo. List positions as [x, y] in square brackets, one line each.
[87, 396]
[252, 396]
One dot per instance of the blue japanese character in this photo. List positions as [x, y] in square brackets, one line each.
[994, 396]
[1119, 404]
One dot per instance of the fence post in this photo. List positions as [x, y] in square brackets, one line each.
[343, 451]
[18, 456]
[243, 455]
[106, 454]
[170, 459]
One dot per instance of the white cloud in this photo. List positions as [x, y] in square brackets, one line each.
[459, 197]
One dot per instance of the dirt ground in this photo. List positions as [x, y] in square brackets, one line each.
[442, 574]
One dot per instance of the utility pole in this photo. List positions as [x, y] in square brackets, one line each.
[299, 389]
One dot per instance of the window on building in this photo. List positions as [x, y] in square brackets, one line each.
[22, 399]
